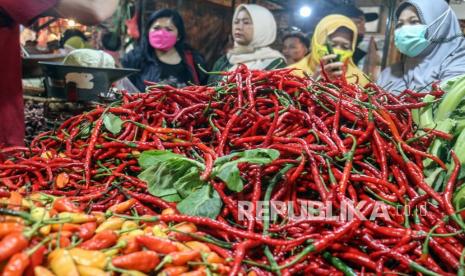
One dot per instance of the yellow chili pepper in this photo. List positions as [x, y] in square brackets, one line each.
[26, 203]
[38, 214]
[112, 252]
[4, 201]
[168, 211]
[42, 271]
[91, 271]
[45, 230]
[61, 263]
[133, 273]
[129, 225]
[36, 197]
[100, 216]
[46, 154]
[159, 231]
[76, 217]
[91, 258]
[182, 247]
[214, 258]
[136, 232]
[198, 246]
[113, 223]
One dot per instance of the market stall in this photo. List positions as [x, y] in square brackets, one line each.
[293, 141]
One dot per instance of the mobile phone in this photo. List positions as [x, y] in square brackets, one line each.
[331, 52]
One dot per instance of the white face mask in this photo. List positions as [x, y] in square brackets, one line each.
[411, 39]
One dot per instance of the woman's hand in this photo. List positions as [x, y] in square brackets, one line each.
[332, 67]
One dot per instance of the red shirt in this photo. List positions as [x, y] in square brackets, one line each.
[13, 13]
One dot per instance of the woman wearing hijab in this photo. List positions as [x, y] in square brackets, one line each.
[162, 55]
[254, 29]
[338, 33]
[429, 37]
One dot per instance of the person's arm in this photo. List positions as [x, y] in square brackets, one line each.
[87, 12]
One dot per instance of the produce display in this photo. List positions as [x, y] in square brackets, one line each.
[213, 157]
[46, 235]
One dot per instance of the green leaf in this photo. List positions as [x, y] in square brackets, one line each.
[151, 157]
[188, 182]
[170, 175]
[230, 174]
[459, 198]
[172, 198]
[204, 202]
[226, 168]
[112, 123]
[262, 155]
[461, 173]
[160, 179]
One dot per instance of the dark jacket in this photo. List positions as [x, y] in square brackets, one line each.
[143, 57]
[150, 68]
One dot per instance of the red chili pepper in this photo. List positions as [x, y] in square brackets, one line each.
[16, 265]
[347, 169]
[90, 149]
[87, 230]
[12, 244]
[239, 255]
[149, 199]
[36, 259]
[144, 261]
[100, 241]
[449, 190]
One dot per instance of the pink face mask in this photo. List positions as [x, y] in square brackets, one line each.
[162, 39]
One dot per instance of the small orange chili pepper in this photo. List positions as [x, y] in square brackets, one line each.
[71, 227]
[123, 206]
[181, 258]
[15, 200]
[62, 180]
[160, 245]
[64, 204]
[9, 227]
[174, 270]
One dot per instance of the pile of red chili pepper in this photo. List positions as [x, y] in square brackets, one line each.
[337, 142]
